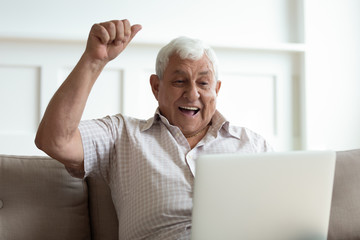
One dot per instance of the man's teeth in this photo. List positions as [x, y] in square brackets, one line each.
[190, 108]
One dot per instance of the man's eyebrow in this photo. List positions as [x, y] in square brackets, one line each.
[204, 73]
[179, 72]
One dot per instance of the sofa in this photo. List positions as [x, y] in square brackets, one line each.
[40, 200]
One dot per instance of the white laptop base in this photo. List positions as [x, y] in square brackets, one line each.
[266, 196]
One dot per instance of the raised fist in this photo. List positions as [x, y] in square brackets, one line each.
[108, 39]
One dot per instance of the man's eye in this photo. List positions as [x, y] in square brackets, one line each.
[204, 83]
[179, 81]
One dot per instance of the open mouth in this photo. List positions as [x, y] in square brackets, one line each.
[190, 111]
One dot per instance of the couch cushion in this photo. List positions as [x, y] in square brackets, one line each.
[345, 206]
[40, 200]
[104, 223]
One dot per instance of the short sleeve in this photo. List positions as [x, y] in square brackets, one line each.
[98, 138]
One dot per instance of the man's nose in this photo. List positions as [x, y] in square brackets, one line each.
[192, 92]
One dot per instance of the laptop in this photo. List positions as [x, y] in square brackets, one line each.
[264, 196]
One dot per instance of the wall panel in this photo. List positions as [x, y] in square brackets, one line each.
[250, 100]
[19, 108]
[106, 95]
[19, 97]
[257, 88]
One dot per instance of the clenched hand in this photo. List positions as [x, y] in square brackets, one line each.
[108, 39]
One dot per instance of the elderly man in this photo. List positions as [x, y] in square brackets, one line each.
[149, 165]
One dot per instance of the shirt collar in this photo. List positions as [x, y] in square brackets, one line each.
[219, 123]
[157, 116]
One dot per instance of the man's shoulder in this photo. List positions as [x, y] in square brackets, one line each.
[254, 138]
[243, 132]
[239, 132]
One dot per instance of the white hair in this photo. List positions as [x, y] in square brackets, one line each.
[186, 48]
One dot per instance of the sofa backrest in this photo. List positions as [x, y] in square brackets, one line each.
[40, 200]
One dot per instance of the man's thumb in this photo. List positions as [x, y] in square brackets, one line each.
[134, 30]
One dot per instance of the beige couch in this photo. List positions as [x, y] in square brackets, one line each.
[40, 200]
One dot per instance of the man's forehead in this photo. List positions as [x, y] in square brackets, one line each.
[177, 65]
[182, 72]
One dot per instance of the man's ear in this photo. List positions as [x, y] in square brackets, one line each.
[155, 82]
[218, 86]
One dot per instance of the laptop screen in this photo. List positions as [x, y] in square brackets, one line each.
[270, 196]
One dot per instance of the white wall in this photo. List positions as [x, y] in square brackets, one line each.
[211, 20]
[332, 74]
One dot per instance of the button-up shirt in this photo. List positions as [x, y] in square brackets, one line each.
[150, 169]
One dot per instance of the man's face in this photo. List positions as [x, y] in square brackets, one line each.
[187, 93]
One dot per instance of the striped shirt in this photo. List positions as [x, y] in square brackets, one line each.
[150, 169]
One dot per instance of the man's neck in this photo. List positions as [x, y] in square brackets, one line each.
[193, 140]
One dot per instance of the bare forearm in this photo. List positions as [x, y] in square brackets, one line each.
[67, 105]
[63, 114]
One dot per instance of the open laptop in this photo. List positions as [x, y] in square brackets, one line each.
[264, 196]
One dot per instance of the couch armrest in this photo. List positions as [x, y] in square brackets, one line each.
[345, 206]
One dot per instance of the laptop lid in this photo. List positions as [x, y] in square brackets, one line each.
[264, 196]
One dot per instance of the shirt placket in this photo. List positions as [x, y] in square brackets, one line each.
[190, 160]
